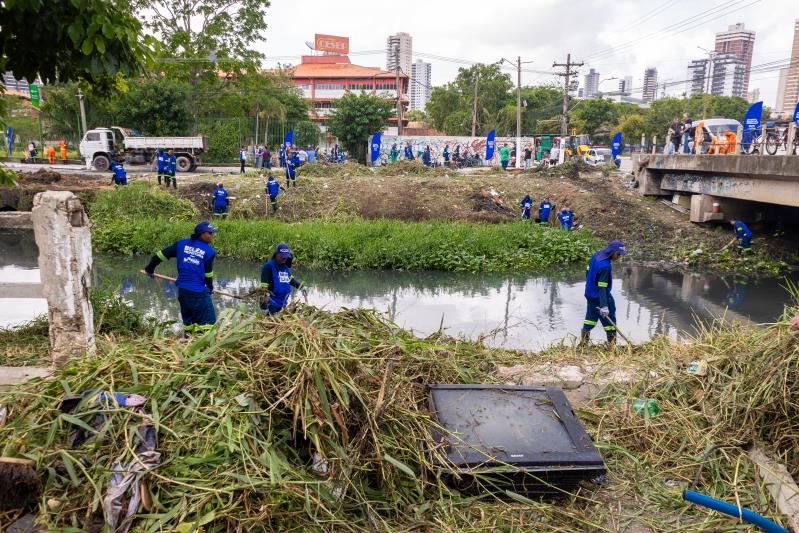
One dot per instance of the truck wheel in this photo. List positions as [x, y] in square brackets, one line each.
[101, 163]
[184, 163]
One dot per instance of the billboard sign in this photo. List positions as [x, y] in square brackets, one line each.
[331, 43]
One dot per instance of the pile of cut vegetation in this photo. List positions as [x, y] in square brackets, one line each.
[319, 421]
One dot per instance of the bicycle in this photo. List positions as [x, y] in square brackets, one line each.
[780, 139]
[753, 142]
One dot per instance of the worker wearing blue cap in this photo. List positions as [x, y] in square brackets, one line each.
[277, 279]
[598, 284]
[195, 283]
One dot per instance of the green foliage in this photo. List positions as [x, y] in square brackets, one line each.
[95, 41]
[306, 133]
[631, 127]
[156, 107]
[225, 137]
[139, 200]
[356, 118]
[415, 115]
[366, 244]
[594, 116]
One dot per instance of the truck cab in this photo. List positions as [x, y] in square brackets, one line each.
[99, 147]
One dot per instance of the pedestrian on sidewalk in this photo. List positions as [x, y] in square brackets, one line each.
[242, 158]
[528, 157]
[527, 205]
[600, 305]
[504, 156]
[278, 281]
[273, 190]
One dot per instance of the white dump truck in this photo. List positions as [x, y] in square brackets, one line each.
[101, 146]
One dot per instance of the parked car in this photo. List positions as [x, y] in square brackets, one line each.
[598, 156]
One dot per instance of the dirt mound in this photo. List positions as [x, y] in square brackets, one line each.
[42, 176]
[490, 200]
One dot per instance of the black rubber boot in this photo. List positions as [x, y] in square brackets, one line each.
[174, 183]
[585, 338]
[611, 340]
[159, 179]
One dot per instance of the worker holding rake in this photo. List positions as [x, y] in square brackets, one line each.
[598, 283]
[278, 281]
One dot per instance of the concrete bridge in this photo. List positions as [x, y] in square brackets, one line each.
[733, 182]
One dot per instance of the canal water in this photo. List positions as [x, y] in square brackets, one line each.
[511, 310]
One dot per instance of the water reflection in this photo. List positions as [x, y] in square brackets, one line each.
[511, 310]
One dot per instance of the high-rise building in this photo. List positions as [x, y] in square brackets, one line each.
[728, 76]
[591, 84]
[421, 80]
[399, 48]
[780, 107]
[698, 76]
[650, 84]
[626, 86]
[753, 96]
[792, 79]
[738, 41]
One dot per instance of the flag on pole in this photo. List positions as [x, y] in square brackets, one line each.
[490, 144]
[375, 146]
[288, 140]
[616, 145]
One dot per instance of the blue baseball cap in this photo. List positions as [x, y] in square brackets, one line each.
[204, 227]
[616, 246]
[283, 251]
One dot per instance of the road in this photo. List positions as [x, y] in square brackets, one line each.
[132, 169]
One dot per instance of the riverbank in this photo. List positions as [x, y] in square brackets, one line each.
[241, 411]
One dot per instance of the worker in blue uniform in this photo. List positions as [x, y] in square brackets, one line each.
[171, 169]
[292, 162]
[281, 154]
[543, 211]
[446, 155]
[566, 219]
[598, 284]
[744, 236]
[242, 158]
[195, 261]
[527, 205]
[273, 190]
[220, 201]
[278, 281]
[119, 177]
[409, 152]
[426, 158]
[160, 163]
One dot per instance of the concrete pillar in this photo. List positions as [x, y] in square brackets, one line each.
[62, 233]
[791, 138]
[654, 144]
[739, 140]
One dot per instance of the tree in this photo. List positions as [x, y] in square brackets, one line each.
[415, 115]
[444, 101]
[631, 128]
[595, 115]
[306, 133]
[213, 29]
[157, 107]
[62, 114]
[355, 118]
[95, 41]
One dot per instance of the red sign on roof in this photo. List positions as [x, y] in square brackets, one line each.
[332, 43]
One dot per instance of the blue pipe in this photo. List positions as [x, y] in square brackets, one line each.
[733, 510]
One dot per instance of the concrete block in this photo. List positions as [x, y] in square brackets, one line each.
[62, 232]
[15, 375]
[15, 220]
[780, 484]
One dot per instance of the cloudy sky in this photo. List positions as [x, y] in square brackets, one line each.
[616, 37]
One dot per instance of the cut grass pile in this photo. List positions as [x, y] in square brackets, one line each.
[241, 411]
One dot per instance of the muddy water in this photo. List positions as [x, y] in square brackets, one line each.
[518, 311]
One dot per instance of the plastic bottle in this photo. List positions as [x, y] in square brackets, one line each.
[645, 406]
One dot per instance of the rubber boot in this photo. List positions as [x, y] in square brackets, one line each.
[159, 179]
[174, 182]
[611, 340]
[585, 338]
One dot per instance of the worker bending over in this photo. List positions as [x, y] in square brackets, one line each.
[195, 283]
[526, 204]
[273, 190]
[220, 200]
[566, 219]
[599, 301]
[277, 279]
[543, 211]
[119, 176]
[744, 236]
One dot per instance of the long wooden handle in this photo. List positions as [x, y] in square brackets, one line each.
[217, 291]
[729, 243]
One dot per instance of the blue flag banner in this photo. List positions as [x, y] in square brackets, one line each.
[375, 146]
[288, 140]
[10, 139]
[490, 144]
[795, 114]
[752, 117]
[616, 145]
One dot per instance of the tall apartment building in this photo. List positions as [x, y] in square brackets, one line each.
[591, 84]
[792, 79]
[399, 48]
[729, 76]
[626, 86]
[780, 107]
[753, 96]
[698, 76]
[739, 42]
[650, 84]
[421, 80]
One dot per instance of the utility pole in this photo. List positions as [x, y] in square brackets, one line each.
[568, 73]
[399, 91]
[474, 105]
[518, 112]
[80, 96]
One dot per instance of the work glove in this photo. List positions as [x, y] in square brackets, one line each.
[604, 312]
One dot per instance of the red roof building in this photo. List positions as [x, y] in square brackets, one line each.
[326, 78]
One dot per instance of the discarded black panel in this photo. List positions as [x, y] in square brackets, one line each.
[502, 437]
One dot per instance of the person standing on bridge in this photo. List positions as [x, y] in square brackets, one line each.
[744, 236]
[526, 205]
[195, 283]
[278, 281]
[220, 200]
[600, 305]
[171, 169]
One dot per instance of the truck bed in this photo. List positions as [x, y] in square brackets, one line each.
[184, 143]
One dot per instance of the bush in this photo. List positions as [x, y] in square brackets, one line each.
[138, 200]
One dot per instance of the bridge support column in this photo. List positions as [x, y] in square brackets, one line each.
[648, 181]
[62, 233]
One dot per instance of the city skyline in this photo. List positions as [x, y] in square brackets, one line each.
[606, 49]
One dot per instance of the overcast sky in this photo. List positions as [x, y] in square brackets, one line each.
[616, 37]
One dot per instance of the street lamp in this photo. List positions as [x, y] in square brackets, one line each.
[600, 93]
